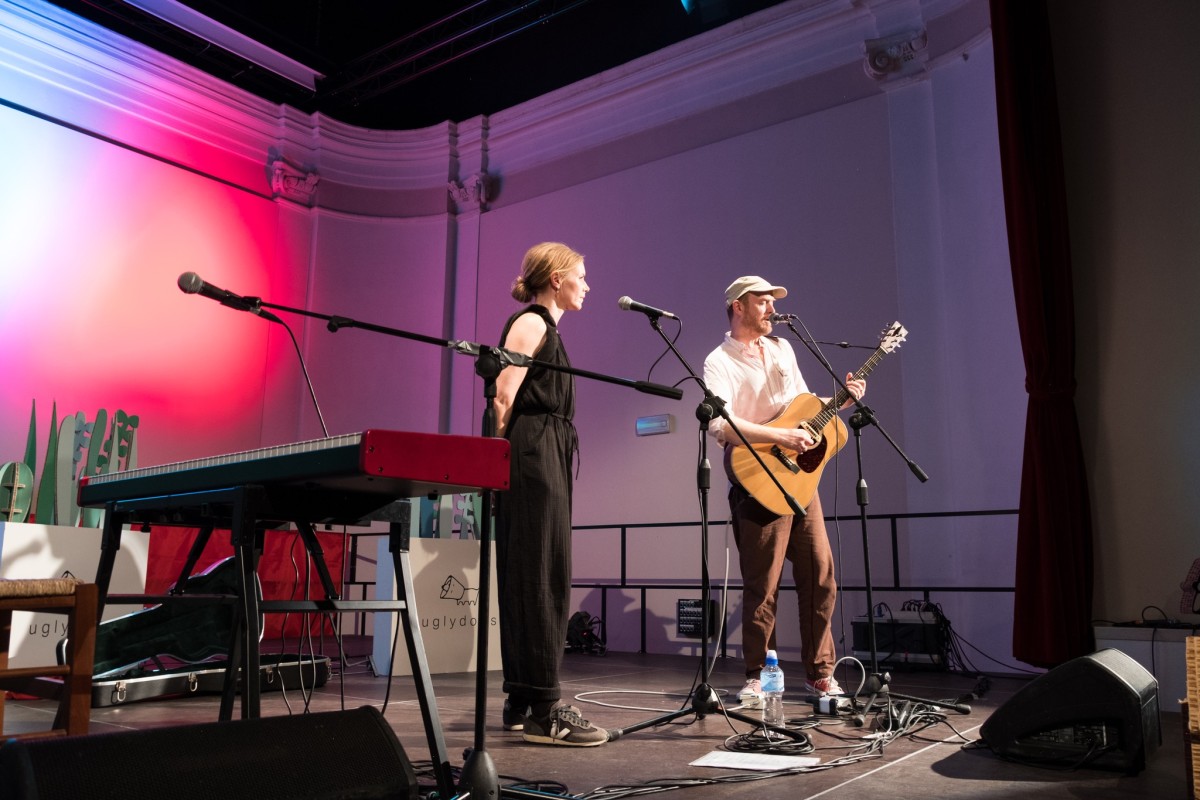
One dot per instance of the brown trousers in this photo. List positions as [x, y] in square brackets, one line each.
[764, 542]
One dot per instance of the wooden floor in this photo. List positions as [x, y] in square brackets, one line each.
[621, 690]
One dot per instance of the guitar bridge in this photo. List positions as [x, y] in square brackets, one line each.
[792, 466]
[815, 433]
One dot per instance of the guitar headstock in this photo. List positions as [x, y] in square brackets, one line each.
[892, 337]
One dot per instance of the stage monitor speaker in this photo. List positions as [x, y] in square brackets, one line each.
[336, 755]
[1099, 710]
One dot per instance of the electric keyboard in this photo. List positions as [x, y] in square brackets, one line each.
[336, 479]
[376, 462]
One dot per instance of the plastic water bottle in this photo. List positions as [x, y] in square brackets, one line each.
[772, 689]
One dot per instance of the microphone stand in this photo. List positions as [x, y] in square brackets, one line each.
[704, 699]
[478, 778]
[876, 682]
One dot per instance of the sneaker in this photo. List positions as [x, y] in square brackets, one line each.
[564, 725]
[823, 686]
[751, 695]
[514, 720]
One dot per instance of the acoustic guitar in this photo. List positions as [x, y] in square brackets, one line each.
[799, 473]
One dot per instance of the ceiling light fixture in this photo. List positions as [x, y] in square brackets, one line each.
[195, 23]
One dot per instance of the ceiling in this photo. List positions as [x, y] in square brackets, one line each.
[404, 64]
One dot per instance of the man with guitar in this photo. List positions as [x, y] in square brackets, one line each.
[757, 376]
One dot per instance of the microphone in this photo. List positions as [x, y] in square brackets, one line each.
[650, 311]
[961, 708]
[191, 283]
[783, 317]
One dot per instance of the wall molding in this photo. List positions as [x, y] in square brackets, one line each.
[772, 66]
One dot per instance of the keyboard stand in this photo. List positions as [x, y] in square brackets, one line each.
[248, 511]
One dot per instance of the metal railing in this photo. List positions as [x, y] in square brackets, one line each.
[892, 582]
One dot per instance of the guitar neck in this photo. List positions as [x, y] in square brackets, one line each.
[829, 410]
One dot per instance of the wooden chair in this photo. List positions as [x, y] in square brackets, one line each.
[78, 601]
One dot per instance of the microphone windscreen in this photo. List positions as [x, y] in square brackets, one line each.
[190, 283]
[625, 302]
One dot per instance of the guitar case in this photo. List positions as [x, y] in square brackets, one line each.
[182, 648]
[277, 672]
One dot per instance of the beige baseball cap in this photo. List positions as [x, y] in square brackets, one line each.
[752, 283]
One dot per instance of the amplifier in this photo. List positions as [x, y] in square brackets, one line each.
[902, 637]
[689, 615]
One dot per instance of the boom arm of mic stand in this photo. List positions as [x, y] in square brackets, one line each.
[506, 357]
[515, 359]
[335, 323]
[255, 306]
[718, 407]
[867, 413]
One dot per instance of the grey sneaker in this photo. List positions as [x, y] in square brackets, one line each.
[564, 725]
[514, 720]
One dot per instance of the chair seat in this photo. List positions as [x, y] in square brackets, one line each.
[37, 587]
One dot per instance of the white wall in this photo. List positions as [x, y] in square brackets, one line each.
[762, 148]
[810, 201]
[390, 273]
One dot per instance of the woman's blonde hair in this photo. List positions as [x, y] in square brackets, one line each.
[541, 263]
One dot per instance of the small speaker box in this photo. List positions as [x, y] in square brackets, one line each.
[337, 755]
[1099, 710]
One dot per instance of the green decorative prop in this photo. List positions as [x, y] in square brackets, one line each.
[111, 453]
[31, 441]
[70, 434]
[469, 509]
[90, 517]
[74, 448]
[16, 490]
[45, 494]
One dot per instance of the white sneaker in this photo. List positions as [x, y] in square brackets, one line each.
[823, 687]
[751, 695]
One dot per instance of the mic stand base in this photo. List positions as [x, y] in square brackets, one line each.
[876, 683]
[479, 778]
[705, 702]
[876, 686]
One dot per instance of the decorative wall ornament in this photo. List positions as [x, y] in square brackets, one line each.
[472, 193]
[292, 182]
[901, 55]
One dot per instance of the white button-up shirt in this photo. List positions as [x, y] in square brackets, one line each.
[757, 380]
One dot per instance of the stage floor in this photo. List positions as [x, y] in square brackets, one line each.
[619, 690]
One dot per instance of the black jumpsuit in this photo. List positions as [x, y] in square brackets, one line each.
[533, 525]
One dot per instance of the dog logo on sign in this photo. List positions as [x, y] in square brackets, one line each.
[459, 592]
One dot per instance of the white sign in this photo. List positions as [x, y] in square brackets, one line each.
[53, 551]
[446, 583]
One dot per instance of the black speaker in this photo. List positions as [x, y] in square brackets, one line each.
[336, 755]
[1099, 710]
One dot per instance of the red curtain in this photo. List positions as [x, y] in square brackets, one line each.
[1054, 572]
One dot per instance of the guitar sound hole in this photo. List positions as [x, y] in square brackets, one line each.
[810, 460]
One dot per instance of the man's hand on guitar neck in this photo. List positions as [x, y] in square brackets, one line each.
[857, 387]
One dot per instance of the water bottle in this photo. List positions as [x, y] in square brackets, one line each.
[772, 689]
